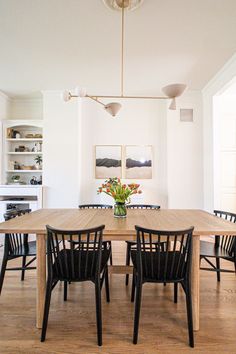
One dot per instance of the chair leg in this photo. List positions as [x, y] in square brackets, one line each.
[111, 261]
[189, 315]
[65, 290]
[137, 310]
[23, 266]
[128, 251]
[133, 288]
[98, 312]
[107, 285]
[218, 267]
[2, 274]
[175, 293]
[46, 310]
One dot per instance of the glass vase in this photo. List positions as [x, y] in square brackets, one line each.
[120, 210]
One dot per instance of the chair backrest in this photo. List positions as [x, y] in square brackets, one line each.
[14, 241]
[163, 264]
[95, 206]
[74, 260]
[143, 206]
[227, 242]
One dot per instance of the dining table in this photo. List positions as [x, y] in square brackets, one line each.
[118, 229]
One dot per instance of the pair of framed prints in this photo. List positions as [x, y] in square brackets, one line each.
[129, 161]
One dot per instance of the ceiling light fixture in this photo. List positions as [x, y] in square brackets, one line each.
[171, 91]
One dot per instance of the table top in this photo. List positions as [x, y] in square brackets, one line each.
[117, 228]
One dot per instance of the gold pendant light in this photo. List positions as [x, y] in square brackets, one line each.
[171, 91]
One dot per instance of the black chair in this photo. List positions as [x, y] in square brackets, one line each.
[86, 262]
[154, 265]
[15, 246]
[99, 206]
[131, 243]
[224, 247]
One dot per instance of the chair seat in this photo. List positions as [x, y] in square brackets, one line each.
[154, 266]
[80, 265]
[28, 249]
[208, 249]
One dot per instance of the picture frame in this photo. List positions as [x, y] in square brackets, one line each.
[108, 161]
[138, 162]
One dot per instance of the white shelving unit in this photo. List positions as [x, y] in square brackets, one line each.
[15, 160]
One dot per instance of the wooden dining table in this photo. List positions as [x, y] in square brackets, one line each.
[117, 229]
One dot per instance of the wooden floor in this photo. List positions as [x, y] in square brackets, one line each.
[72, 326]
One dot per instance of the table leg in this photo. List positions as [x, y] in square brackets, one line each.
[41, 278]
[195, 277]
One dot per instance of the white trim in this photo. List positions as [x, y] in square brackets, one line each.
[3, 95]
[220, 81]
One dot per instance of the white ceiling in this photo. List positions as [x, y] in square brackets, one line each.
[56, 44]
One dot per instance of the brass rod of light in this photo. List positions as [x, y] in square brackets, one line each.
[95, 98]
[134, 97]
[122, 48]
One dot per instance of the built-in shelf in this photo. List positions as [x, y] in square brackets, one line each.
[25, 153]
[25, 171]
[25, 139]
[21, 153]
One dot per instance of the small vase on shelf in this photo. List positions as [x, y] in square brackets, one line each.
[120, 210]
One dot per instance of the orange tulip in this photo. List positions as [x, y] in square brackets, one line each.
[108, 190]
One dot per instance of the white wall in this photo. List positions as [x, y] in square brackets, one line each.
[139, 122]
[185, 154]
[225, 152]
[26, 108]
[4, 111]
[60, 163]
[4, 106]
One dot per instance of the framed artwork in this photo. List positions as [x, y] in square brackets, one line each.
[108, 161]
[138, 162]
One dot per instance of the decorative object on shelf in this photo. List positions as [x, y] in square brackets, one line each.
[38, 159]
[121, 193]
[16, 134]
[29, 136]
[16, 165]
[138, 162]
[26, 168]
[38, 136]
[40, 180]
[15, 179]
[20, 148]
[108, 161]
[171, 91]
[33, 180]
[9, 133]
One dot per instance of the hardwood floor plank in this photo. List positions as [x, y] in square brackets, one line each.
[72, 324]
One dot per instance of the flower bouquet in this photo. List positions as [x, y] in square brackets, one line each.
[121, 194]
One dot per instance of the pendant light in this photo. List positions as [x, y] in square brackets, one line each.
[171, 91]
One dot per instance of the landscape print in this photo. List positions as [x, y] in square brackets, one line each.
[138, 162]
[108, 161]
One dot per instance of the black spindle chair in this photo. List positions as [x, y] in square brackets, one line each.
[99, 206]
[224, 247]
[86, 262]
[131, 243]
[17, 246]
[157, 265]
